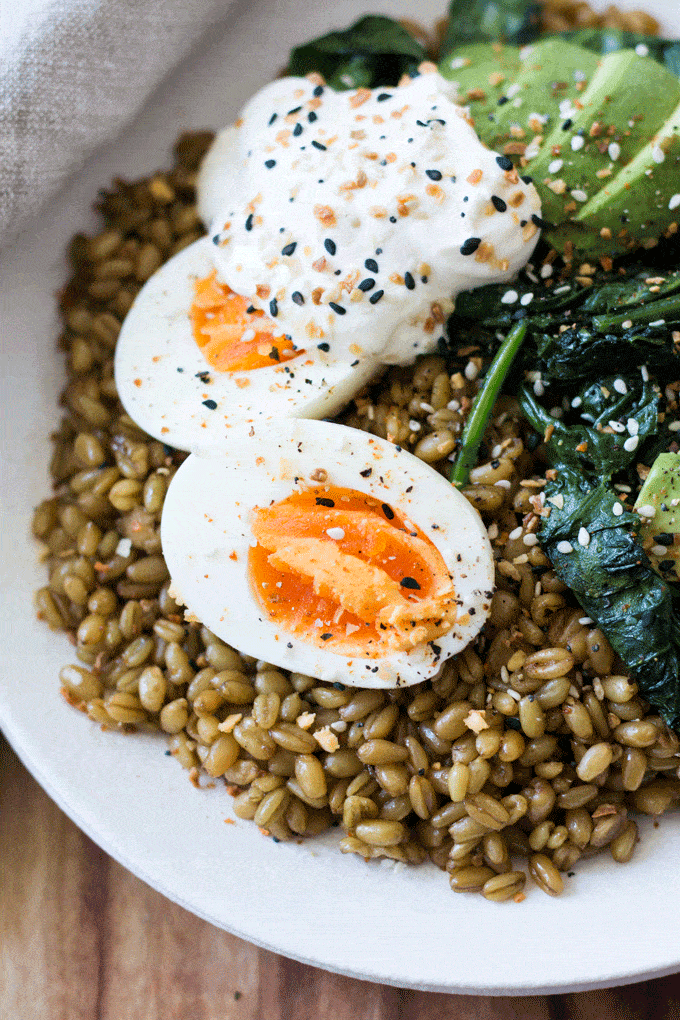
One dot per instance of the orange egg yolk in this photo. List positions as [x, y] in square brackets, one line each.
[231, 338]
[338, 568]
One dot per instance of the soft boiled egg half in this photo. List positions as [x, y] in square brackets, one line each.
[342, 225]
[327, 551]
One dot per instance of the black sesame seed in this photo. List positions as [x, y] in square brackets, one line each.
[338, 309]
[297, 130]
[523, 223]
[367, 473]
[527, 179]
[663, 538]
[249, 222]
[410, 582]
[367, 284]
[374, 298]
[324, 501]
[409, 282]
[504, 162]
[289, 248]
[210, 404]
[273, 118]
[324, 347]
[393, 219]
[538, 221]
[311, 117]
[388, 511]
[318, 145]
[498, 203]
[567, 124]
[502, 101]
[318, 90]
[434, 175]
[216, 239]
[470, 246]
[296, 109]
[250, 309]
[371, 265]
[273, 308]
[269, 163]
[423, 279]
[383, 96]
[378, 251]
[326, 637]
[337, 272]
[274, 354]
[330, 246]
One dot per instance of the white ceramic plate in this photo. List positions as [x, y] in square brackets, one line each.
[402, 927]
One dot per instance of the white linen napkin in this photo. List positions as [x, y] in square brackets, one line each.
[72, 74]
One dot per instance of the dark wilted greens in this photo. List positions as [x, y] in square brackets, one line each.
[508, 21]
[613, 581]
[373, 51]
[594, 354]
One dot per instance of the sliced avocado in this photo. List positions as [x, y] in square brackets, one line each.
[627, 101]
[552, 74]
[482, 71]
[660, 532]
[642, 200]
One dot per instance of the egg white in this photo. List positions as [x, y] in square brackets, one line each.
[206, 535]
[159, 365]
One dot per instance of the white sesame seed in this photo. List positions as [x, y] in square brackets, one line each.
[583, 537]
[576, 402]
[644, 373]
[565, 547]
[509, 297]
[124, 547]
[622, 488]
[585, 621]
[658, 155]
[414, 425]
[658, 322]
[515, 533]
[620, 386]
[579, 195]
[459, 62]
[562, 290]
[631, 444]
[579, 76]
[539, 388]
[577, 142]
[566, 109]
[502, 483]
[471, 371]
[674, 202]
[249, 335]
[533, 147]
[512, 91]
[339, 726]
[614, 151]
[555, 166]
[617, 509]
[335, 533]
[674, 426]
[627, 324]
[659, 550]
[546, 271]
[428, 408]
[530, 539]
[616, 426]
[453, 405]
[557, 501]
[526, 299]
[517, 102]
[633, 426]
[642, 50]
[646, 510]
[514, 694]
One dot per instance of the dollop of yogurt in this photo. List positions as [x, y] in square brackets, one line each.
[353, 219]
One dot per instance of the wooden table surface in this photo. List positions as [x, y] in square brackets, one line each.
[83, 939]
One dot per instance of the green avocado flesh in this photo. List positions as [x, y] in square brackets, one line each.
[598, 135]
[661, 493]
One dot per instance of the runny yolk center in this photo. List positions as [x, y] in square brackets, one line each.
[231, 338]
[338, 568]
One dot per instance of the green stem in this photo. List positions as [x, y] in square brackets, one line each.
[483, 404]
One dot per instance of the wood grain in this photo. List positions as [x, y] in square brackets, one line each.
[83, 939]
